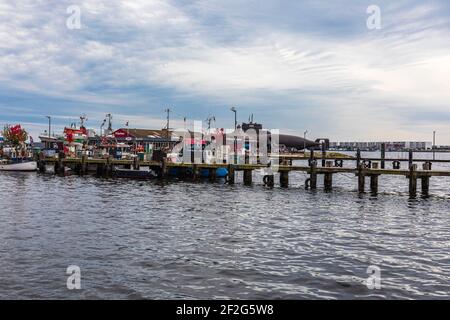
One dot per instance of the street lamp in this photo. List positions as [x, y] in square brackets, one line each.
[49, 125]
[101, 127]
[434, 145]
[235, 137]
[235, 116]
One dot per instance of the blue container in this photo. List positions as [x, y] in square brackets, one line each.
[221, 172]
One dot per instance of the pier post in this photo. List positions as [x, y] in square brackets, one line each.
[425, 185]
[313, 175]
[311, 157]
[109, 167]
[328, 181]
[136, 164]
[41, 163]
[100, 169]
[284, 179]
[230, 178]
[83, 169]
[361, 174]
[324, 154]
[361, 182]
[410, 159]
[413, 181]
[59, 164]
[42, 166]
[194, 172]
[212, 174]
[383, 155]
[247, 177]
[269, 180]
[374, 183]
[163, 171]
[358, 158]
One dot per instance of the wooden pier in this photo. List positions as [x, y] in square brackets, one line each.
[365, 169]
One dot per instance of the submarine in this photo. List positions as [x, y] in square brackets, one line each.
[284, 140]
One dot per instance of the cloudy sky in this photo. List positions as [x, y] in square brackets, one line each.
[296, 65]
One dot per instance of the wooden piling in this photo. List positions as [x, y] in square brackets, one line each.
[324, 154]
[231, 175]
[410, 158]
[328, 181]
[425, 185]
[313, 175]
[212, 174]
[383, 155]
[413, 181]
[374, 184]
[100, 169]
[109, 167]
[194, 172]
[284, 179]
[247, 177]
[361, 174]
[136, 163]
[269, 180]
[84, 165]
[163, 171]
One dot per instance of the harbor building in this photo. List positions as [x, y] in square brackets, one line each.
[374, 146]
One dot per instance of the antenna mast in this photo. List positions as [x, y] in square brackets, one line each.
[168, 121]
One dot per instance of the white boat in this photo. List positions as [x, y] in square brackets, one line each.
[18, 166]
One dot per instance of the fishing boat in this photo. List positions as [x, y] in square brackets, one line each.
[15, 154]
[18, 165]
[134, 174]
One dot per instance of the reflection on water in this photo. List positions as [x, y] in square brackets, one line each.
[171, 240]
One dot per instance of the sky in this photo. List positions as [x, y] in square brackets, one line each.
[295, 65]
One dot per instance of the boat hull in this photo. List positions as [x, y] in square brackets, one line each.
[133, 174]
[23, 166]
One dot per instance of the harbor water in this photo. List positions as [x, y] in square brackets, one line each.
[185, 240]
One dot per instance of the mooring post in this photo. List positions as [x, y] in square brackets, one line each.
[313, 175]
[61, 166]
[247, 177]
[41, 163]
[425, 185]
[284, 179]
[269, 180]
[361, 173]
[413, 181]
[194, 172]
[383, 155]
[42, 166]
[410, 159]
[163, 170]
[83, 169]
[136, 164]
[328, 181]
[374, 183]
[230, 177]
[361, 181]
[99, 170]
[109, 167]
[212, 174]
[324, 154]
[358, 158]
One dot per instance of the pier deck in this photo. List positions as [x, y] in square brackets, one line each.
[364, 168]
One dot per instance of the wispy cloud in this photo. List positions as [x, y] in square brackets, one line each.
[296, 65]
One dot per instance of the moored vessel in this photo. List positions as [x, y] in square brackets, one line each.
[14, 153]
